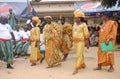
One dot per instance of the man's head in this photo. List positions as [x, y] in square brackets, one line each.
[62, 20]
[10, 11]
[79, 19]
[34, 23]
[106, 16]
[25, 29]
[48, 19]
[37, 20]
[17, 28]
[3, 20]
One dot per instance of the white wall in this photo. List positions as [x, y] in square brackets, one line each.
[54, 8]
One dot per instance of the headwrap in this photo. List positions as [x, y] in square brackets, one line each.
[35, 18]
[78, 13]
[48, 17]
[67, 27]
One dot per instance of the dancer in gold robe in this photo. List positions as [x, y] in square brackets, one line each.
[35, 55]
[52, 37]
[80, 38]
[66, 45]
[107, 33]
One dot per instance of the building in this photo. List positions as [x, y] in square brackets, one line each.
[56, 9]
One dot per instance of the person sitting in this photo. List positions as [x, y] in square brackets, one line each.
[18, 46]
[25, 41]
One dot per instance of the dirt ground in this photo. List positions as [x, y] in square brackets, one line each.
[23, 70]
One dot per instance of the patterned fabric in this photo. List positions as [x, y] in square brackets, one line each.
[25, 47]
[66, 38]
[12, 21]
[18, 47]
[5, 52]
[108, 31]
[80, 33]
[52, 37]
[35, 50]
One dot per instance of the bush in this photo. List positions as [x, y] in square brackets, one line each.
[21, 25]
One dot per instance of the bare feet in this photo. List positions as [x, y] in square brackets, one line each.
[58, 64]
[49, 67]
[63, 60]
[75, 72]
[9, 66]
[41, 60]
[84, 66]
[110, 69]
[17, 56]
[65, 57]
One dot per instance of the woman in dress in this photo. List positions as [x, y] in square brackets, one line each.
[35, 55]
[80, 38]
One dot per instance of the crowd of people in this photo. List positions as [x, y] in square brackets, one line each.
[58, 37]
[94, 35]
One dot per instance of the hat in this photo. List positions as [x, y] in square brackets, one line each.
[35, 18]
[78, 13]
[48, 17]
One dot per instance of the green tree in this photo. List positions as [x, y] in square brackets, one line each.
[110, 3]
[36, 0]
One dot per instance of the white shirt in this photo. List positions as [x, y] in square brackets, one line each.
[5, 31]
[25, 35]
[28, 21]
[17, 35]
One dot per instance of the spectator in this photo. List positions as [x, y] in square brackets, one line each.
[11, 19]
[18, 46]
[25, 41]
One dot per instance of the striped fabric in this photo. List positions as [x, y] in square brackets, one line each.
[18, 48]
[6, 52]
[25, 48]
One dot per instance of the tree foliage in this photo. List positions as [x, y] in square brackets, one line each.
[110, 3]
[36, 0]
